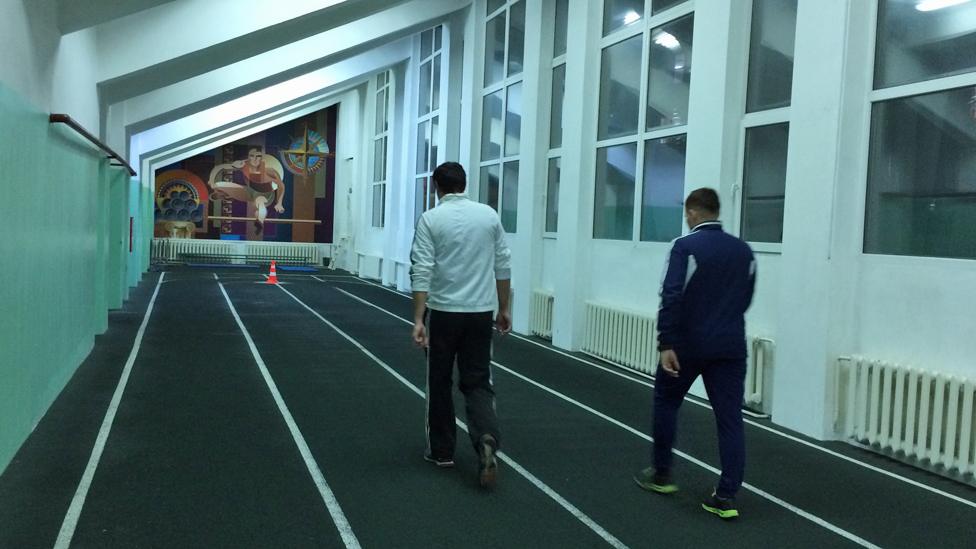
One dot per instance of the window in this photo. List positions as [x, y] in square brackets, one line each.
[766, 121]
[642, 121]
[924, 40]
[764, 182]
[501, 112]
[921, 193]
[381, 133]
[921, 187]
[771, 44]
[428, 119]
[556, 116]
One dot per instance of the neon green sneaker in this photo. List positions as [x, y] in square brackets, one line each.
[723, 507]
[653, 481]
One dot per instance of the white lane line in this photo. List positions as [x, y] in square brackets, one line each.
[342, 524]
[565, 504]
[762, 493]
[70, 522]
[215, 276]
[766, 428]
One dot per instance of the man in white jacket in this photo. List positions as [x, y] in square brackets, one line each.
[460, 263]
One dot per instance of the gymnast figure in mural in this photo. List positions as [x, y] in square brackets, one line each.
[263, 184]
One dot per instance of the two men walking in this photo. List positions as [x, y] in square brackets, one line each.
[461, 273]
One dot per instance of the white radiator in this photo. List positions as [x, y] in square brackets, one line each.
[370, 266]
[172, 249]
[624, 337]
[760, 359]
[540, 316]
[922, 417]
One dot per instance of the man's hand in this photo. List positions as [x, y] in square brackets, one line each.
[279, 208]
[420, 335]
[503, 322]
[669, 362]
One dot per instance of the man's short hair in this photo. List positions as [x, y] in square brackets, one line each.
[450, 178]
[703, 200]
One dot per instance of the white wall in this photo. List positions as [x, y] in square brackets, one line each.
[56, 74]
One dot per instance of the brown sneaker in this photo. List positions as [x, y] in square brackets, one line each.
[487, 464]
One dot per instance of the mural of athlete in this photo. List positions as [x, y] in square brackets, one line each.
[263, 184]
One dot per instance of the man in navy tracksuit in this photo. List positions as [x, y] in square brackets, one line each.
[708, 285]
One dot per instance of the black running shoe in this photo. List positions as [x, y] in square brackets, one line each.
[439, 461]
[654, 481]
[487, 464]
[723, 507]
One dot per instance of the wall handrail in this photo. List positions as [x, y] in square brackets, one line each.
[74, 125]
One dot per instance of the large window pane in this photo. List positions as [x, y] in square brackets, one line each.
[491, 126]
[423, 146]
[379, 159]
[664, 188]
[423, 96]
[620, 88]
[771, 54]
[420, 199]
[489, 186]
[562, 16]
[556, 117]
[620, 13]
[426, 43]
[510, 182]
[922, 176]
[434, 139]
[381, 113]
[764, 183]
[438, 31]
[516, 38]
[513, 120]
[495, 49]
[379, 205]
[552, 195]
[916, 45]
[669, 78]
[657, 6]
[613, 203]
[494, 5]
[436, 79]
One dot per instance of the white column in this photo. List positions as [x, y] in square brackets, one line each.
[831, 71]
[575, 231]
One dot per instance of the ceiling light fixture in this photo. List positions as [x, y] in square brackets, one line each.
[667, 40]
[932, 5]
[631, 17]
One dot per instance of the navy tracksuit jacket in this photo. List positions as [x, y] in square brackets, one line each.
[708, 285]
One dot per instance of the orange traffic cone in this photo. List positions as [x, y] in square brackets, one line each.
[272, 276]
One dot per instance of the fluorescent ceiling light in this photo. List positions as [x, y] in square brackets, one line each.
[631, 17]
[932, 5]
[667, 40]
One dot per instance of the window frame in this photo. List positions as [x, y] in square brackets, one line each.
[418, 175]
[387, 132]
[642, 135]
[502, 85]
[879, 95]
[765, 117]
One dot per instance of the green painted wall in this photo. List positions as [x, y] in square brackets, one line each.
[60, 266]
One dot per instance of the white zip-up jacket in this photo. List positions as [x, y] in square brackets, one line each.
[459, 251]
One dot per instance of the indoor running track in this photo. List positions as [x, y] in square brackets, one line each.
[219, 411]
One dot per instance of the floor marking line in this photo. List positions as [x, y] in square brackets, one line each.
[328, 497]
[565, 504]
[766, 495]
[766, 428]
[71, 517]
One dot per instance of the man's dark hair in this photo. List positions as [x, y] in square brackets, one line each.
[703, 200]
[450, 178]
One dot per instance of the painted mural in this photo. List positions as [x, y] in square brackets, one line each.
[277, 185]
